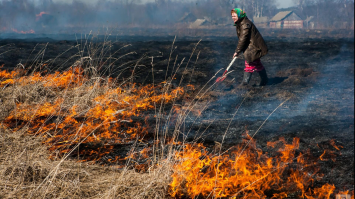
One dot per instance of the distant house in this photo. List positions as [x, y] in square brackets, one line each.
[201, 23]
[207, 22]
[286, 19]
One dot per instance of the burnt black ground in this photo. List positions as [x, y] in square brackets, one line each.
[315, 75]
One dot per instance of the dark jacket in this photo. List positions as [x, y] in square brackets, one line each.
[250, 40]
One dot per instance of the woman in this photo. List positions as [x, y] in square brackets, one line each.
[252, 44]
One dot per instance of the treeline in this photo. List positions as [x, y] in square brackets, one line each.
[24, 14]
[328, 14]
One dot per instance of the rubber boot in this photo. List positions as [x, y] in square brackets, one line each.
[246, 78]
[263, 77]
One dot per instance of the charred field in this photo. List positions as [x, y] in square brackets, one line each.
[310, 96]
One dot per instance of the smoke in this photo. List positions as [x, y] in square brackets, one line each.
[78, 16]
[327, 93]
[48, 16]
[333, 93]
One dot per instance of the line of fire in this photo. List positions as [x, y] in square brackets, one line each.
[199, 99]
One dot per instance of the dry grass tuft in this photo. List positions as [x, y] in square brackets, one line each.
[27, 172]
[39, 103]
[153, 184]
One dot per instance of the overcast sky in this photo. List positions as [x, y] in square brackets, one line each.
[285, 3]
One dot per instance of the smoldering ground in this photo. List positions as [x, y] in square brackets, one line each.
[314, 75]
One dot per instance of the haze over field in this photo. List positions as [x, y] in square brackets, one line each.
[54, 16]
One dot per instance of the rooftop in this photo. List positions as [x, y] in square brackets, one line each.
[281, 15]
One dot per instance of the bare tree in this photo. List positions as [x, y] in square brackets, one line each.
[257, 7]
[302, 3]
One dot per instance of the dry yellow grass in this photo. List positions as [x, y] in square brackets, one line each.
[27, 172]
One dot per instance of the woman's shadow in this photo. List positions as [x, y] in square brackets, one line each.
[276, 80]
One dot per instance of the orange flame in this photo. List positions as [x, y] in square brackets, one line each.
[323, 192]
[39, 15]
[23, 32]
[251, 174]
[108, 120]
[332, 142]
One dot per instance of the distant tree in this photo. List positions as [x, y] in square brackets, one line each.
[258, 8]
[330, 13]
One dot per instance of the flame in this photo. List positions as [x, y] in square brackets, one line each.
[322, 156]
[59, 80]
[248, 173]
[23, 32]
[332, 142]
[39, 15]
[18, 31]
[347, 193]
[8, 75]
[107, 120]
[330, 154]
[323, 192]
[31, 31]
